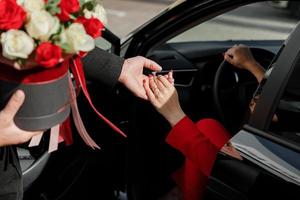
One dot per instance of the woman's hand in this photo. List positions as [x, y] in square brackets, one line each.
[229, 150]
[241, 57]
[163, 95]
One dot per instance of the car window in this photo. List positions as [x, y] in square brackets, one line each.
[286, 119]
[258, 21]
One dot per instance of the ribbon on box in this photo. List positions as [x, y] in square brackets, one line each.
[63, 131]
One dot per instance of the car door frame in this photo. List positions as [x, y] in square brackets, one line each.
[257, 127]
[273, 90]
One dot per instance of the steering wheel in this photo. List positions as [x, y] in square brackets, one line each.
[233, 89]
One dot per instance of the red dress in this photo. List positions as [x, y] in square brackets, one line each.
[199, 143]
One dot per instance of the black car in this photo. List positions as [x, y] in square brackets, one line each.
[139, 167]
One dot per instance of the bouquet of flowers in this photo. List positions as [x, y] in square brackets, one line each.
[41, 42]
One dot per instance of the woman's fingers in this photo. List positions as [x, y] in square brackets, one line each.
[149, 92]
[169, 77]
[166, 83]
[228, 58]
[160, 85]
[153, 86]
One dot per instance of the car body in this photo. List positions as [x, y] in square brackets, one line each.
[139, 165]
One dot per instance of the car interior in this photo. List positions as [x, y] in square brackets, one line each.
[141, 165]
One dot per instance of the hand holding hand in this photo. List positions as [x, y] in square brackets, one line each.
[163, 95]
[132, 74]
[10, 134]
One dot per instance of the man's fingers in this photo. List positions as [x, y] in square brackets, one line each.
[25, 136]
[31, 134]
[13, 105]
[142, 95]
[140, 92]
[152, 65]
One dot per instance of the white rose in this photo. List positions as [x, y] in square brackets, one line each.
[16, 44]
[41, 25]
[77, 39]
[32, 5]
[99, 13]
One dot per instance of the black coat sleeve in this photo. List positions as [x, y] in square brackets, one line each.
[103, 67]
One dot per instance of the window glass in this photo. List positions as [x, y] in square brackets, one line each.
[103, 44]
[258, 21]
[286, 120]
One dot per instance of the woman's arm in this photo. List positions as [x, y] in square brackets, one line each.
[199, 143]
[241, 57]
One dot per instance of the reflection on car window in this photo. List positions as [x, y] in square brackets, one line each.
[103, 44]
[288, 112]
[258, 21]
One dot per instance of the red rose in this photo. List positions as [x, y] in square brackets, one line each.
[48, 55]
[93, 26]
[12, 16]
[68, 7]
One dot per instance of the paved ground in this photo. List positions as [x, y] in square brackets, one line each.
[126, 15]
[256, 21]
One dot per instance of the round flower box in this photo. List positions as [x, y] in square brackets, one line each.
[47, 99]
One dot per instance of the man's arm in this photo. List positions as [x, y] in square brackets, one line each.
[102, 66]
[108, 69]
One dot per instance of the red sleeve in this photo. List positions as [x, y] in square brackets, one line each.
[215, 131]
[199, 143]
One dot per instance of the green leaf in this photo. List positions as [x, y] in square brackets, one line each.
[66, 47]
[21, 61]
[82, 2]
[52, 6]
[90, 5]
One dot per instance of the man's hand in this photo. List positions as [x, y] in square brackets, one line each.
[132, 74]
[10, 134]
